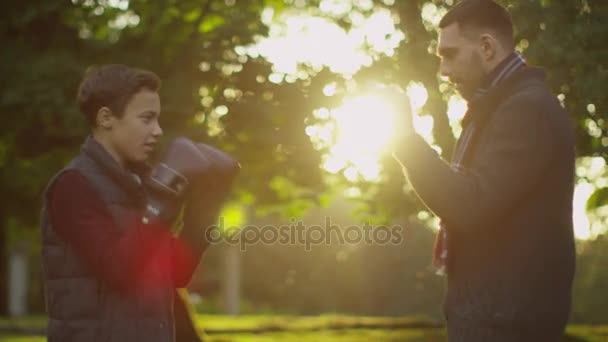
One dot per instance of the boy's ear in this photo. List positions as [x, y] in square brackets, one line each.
[105, 118]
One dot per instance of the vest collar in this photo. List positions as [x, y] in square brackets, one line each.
[128, 179]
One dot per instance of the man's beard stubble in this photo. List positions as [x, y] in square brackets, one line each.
[468, 87]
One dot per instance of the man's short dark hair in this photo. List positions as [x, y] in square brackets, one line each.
[484, 14]
[112, 86]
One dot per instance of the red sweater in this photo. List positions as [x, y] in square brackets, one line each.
[81, 219]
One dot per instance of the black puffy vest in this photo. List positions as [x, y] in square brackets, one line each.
[80, 306]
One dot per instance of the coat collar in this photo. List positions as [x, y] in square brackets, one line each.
[481, 107]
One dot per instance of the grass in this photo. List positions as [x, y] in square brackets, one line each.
[216, 324]
[325, 328]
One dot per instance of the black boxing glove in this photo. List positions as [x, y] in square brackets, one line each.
[207, 194]
[224, 167]
[169, 180]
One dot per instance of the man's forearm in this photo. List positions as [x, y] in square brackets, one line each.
[519, 152]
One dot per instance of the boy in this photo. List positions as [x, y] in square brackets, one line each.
[111, 276]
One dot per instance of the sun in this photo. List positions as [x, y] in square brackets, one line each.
[364, 127]
[359, 132]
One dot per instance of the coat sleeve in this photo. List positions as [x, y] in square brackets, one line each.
[188, 248]
[201, 213]
[517, 153]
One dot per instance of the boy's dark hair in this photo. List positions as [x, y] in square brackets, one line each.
[112, 86]
[485, 14]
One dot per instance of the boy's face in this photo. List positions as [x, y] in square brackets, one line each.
[133, 137]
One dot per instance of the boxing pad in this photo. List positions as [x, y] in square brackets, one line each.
[169, 180]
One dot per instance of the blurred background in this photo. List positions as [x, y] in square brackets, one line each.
[283, 85]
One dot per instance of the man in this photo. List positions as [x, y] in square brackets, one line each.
[505, 202]
[111, 274]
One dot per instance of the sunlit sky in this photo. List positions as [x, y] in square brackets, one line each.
[356, 133]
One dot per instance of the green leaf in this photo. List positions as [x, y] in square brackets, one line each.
[598, 198]
[211, 23]
[192, 15]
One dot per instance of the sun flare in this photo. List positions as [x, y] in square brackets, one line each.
[360, 131]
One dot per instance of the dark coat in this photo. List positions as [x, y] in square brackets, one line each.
[511, 254]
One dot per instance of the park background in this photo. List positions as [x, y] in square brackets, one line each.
[281, 85]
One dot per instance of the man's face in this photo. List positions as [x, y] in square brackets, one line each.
[134, 135]
[461, 59]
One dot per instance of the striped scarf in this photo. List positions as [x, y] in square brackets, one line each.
[505, 69]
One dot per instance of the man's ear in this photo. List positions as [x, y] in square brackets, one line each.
[489, 46]
[105, 118]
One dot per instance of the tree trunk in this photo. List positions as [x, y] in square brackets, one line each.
[3, 268]
[423, 66]
[18, 281]
[231, 285]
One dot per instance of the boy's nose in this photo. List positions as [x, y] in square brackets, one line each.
[158, 131]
